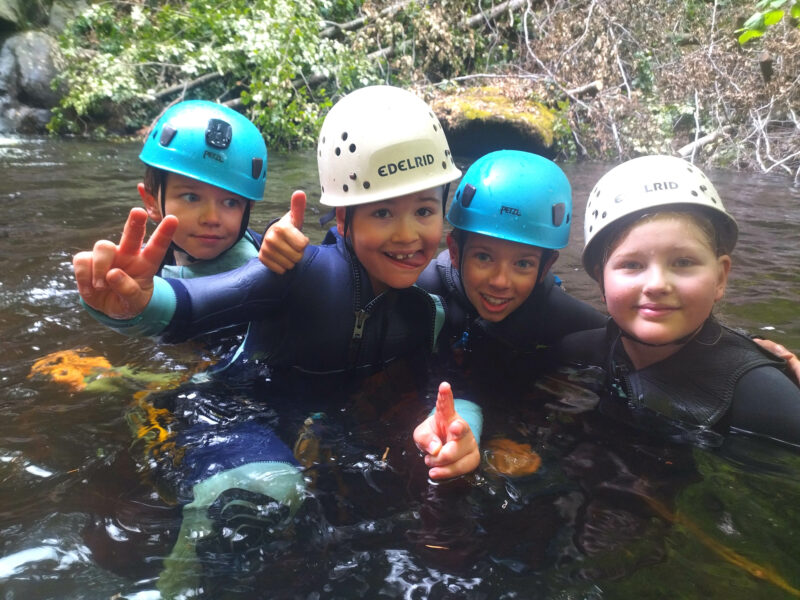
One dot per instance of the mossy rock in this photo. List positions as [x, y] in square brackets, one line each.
[483, 119]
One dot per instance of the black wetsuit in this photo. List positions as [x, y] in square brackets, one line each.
[719, 380]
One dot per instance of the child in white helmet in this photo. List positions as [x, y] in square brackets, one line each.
[658, 241]
[349, 306]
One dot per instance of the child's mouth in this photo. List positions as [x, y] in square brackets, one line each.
[412, 260]
[493, 303]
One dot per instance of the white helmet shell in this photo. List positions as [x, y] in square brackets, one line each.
[642, 184]
[381, 142]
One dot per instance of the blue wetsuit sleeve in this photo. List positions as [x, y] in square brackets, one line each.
[471, 413]
[251, 292]
[152, 321]
[766, 402]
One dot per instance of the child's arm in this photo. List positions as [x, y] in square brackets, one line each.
[449, 442]
[284, 242]
[117, 280]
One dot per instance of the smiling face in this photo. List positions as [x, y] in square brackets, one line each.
[498, 275]
[209, 218]
[395, 239]
[661, 281]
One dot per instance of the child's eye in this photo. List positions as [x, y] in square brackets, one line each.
[382, 213]
[684, 262]
[524, 263]
[628, 265]
[482, 256]
[232, 202]
[425, 211]
[190, 197]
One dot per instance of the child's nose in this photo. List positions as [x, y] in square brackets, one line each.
[405, 231]
[499, 277]
[210, 212]
[658, 280]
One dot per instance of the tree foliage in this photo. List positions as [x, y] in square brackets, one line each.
[283, 60]
[768, 13]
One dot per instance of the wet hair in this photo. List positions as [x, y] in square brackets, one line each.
[153, 177]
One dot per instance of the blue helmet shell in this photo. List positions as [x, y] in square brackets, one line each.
[211, 143]
[515, 196]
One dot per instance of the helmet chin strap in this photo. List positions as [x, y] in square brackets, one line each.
[173, 246]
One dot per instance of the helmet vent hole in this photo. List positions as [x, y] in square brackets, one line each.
[344, 135]
[435, 128]
[366, 185]
[603, 216]
[255, 171]
[345, 188]
[559, 211]
[594, 214]
[352, 148]
[323, 139]
[694, 193]
[167, 133]
[447, 152]
[353, 176]
[703, 188]
[444, 165]
[338, 151]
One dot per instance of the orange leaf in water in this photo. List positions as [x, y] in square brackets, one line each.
[512, 458]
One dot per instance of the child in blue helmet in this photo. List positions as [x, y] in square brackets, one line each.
[206, 164]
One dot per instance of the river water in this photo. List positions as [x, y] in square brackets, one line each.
[604, 517]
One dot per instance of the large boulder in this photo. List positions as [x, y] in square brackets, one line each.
[482, 119]
[38, 60]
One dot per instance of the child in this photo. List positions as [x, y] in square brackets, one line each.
[350, 305]
[658, 241]
[207, 165]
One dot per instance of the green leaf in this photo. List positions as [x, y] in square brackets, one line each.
[795, 11]
[756, 21]
[773, 17]
[749, 35]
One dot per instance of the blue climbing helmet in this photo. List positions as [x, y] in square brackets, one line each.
[211, 143]
[515, 196]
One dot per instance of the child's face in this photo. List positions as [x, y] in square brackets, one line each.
[395, 239]
[498, 275]
[661, 282]
[209, 218]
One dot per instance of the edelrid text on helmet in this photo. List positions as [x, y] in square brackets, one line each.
[211, 143]
[641, 186]
[381, 142]
[515, 196]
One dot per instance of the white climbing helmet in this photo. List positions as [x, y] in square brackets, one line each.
[638, 186]
[381, 142]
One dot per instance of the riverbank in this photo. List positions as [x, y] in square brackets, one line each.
[586, 79]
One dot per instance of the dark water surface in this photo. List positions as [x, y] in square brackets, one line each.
[607, 515]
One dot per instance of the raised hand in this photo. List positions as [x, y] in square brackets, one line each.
[450, 446]
[284, 242]
[118, 279]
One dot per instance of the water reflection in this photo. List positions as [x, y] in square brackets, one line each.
[604, 515]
